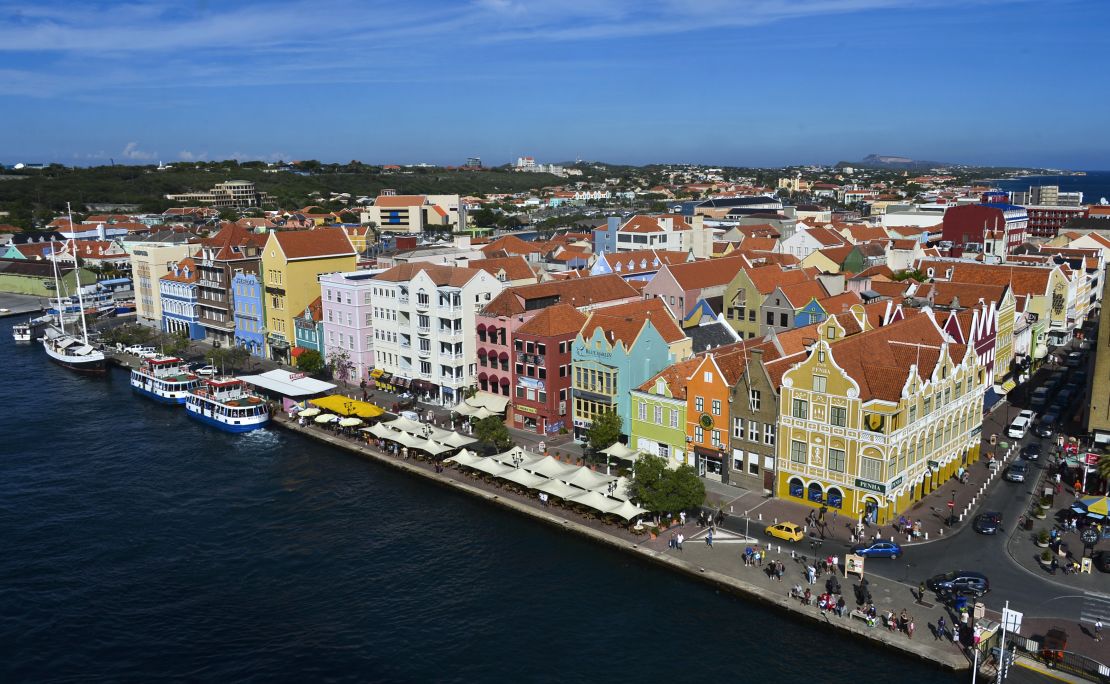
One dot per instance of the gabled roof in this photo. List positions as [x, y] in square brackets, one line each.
[315, 309]
[442, 276]
[696, 275]
[554, 321]
[578, 292]
[644, 260]
[399, 201]
[759, 244]
[623, 322]
[514, 267]
[767, 278]
[227, 244]
[800, 293]
[187, 274]
[314, 244]
[826, 237]
[511, 244]
[676, 376]
[1022, 279]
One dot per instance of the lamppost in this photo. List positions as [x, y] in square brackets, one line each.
[952, 509]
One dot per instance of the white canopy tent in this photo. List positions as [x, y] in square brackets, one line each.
[432, 448]
[524, 478]
[491, 467]
[380, 430]
[288, 384]
[464, 409]
[350, 422]
[405, 425]
[550, 467]
[464, 458]
[559, 489]
[457, 440]
[621, 451]
[627, 510]
[309, 412]
[327, 418]
[595, 500]
[495, 403]
[588, 479]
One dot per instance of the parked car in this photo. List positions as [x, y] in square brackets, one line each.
[960, 582]
[1039, 397]
[140, 349]
[878, 549]
[1018, 427]
[205, 370]
[1016, 472]
[1047, 425]
[988, 523]
[787, 531]
[1028, 415]
[1031, 452]
[1074, 359]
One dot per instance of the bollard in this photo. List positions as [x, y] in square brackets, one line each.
[927, 534]
[776, 521]
[804, 530]
[730, 510]
[760, 517]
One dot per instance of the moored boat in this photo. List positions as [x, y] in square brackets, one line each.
[227, 404]
[32, 329]
[164, 379]
[74, 353]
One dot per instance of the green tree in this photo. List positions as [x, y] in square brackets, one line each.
[604, 431]
[660, 489]
[311, 362]
[174, 344]
[1104, 467]
[492, 430]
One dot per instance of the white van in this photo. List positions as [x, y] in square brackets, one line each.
[1018, 428]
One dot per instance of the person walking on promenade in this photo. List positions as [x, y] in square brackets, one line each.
[709, 538]
[909, 627]
[679, 540]
[921, 592]
[811, 574]
[1098, 630]
[942, 628]
[682, 518]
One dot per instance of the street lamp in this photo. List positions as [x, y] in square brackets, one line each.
[952, 509]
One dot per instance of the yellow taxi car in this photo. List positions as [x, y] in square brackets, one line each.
[787, 531]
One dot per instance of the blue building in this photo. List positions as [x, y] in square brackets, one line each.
[309, 328]
[178, 293]
[249, 315]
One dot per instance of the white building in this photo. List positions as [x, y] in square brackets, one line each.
[423, 321]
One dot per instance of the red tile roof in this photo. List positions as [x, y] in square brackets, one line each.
[578, 292]
[318, 243]
[451, 276]
[400, 201]
[697, 275]
[554, 321]
[514, 267]
[623, 322]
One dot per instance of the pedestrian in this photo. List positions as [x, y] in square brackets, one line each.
[680, 539]
[811, 574]
[909, 627]
[672, 543]
[709, 539]
[941, 628]
[1098, 630]
[682, 517]
[921, 591]
[759, 558]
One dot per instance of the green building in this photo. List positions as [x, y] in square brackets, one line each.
[20, 276]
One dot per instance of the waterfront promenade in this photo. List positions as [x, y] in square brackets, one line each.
[720, 566]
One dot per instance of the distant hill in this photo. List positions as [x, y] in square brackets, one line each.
[887, 161]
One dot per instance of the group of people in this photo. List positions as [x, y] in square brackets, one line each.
[902, 622]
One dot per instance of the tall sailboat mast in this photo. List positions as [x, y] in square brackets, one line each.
[58, 288]
[77, 276]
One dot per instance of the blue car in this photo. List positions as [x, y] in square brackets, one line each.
[879, 549]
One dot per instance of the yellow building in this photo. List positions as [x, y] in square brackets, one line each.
[871, 424]
[291, 262]
[149, 262]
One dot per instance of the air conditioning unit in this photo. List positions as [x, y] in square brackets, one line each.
[562, 408]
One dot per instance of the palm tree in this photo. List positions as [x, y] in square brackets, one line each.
[1103, 468]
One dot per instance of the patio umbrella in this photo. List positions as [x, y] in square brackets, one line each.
[350, 422]
[309, 412]
[1096, 505]
[327, 418]
[456, 440]
[379, 430]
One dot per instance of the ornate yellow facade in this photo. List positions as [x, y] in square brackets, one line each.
[865, 438]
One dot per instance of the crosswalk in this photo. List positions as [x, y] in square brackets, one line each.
[721, 536]
[1095, 607]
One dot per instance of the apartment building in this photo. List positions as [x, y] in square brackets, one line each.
[178, 292]
[292, 261]
[231, 251]
[424, 317]
[348, 322]
[249, 316]
[226, 195]
[413, 214]
[149, 262]
[541, 377]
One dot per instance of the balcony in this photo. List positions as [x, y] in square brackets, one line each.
[424, 353]
[422, 305]
[403, 298]
[449, 335]
[450, 356]
[426, 376]
[424, 330]
[212, 284]
[405, 345]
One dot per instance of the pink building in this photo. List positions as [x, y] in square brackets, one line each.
[348, 320]
[498, 321]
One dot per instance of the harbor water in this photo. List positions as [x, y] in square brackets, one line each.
[139, 544]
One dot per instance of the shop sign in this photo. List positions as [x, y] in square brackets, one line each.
[524, 409]
[933, 465]
[897, 481]
[870, 486]
[530, 383]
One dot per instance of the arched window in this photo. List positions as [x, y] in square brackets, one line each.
[815, 494]
[797, 489]
[835, 498]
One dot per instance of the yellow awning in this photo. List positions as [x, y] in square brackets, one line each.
[376, 373]
[337, 403]
[1008, 385]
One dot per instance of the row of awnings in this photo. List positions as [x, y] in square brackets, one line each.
[484, 353]
[493, 379]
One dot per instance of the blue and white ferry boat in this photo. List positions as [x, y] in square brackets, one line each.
[164, 379]
[227, 404]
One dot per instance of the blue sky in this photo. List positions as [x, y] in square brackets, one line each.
[738, 82]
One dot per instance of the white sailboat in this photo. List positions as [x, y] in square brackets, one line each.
[64, 349]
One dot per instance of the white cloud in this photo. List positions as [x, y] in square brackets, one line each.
[132, 151]
[186, 155]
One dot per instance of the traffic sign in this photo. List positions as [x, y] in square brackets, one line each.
[951, 504]
[1092, 459]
